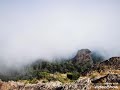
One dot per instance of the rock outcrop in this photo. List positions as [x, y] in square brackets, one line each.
[109, 78]
[113, 62]
[83, 56]
[110, 64]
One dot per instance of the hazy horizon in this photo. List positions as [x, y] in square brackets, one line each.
[57, 28]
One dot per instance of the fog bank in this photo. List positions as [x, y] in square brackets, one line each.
[48, 29]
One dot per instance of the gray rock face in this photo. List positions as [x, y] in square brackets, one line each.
[110, 78]
[113, 62]
[83, 56]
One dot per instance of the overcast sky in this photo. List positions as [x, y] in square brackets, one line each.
[31, 29]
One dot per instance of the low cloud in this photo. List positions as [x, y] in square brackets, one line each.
[57, 30]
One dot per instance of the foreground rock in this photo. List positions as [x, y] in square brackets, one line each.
[81, 84]
[109, 78]
[107, 82]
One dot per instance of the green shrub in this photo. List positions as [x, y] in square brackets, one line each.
[51, 78]
[33, 81]
[73, 76]
[43, 75]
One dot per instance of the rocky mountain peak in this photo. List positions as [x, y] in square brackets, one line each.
[83, 56]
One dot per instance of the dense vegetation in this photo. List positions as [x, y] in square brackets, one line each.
[43, 68]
